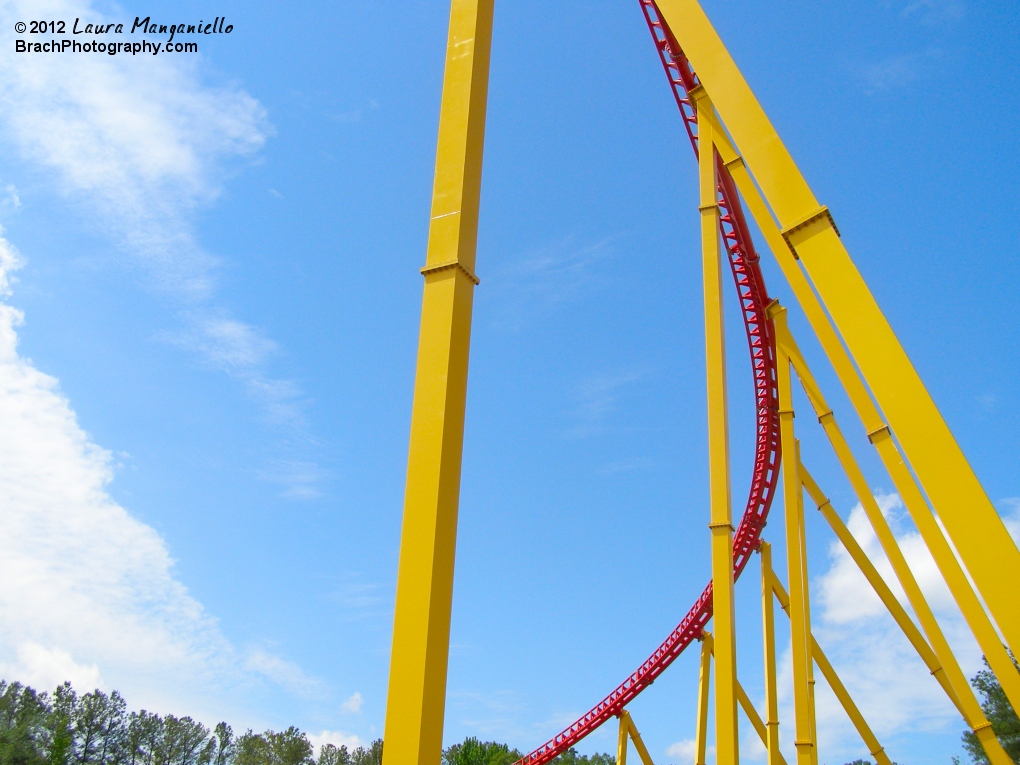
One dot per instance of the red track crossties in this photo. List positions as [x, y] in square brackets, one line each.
[753, 298]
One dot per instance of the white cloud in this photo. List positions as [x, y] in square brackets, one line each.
[46, 668]
[597, 399]
[352, 705]
[1010, 511]
[91, 593]
[686, 750]
[543, 279]
[283, 672]
[137, 147]
[882, 672]
[335, 737]
[139, 144]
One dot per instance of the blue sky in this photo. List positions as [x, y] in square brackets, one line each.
[207, 352]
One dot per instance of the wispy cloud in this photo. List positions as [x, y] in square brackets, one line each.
[884, 675]
[687, 750]
[1009, 509]
[892, 73]
[287, 674]
[935, 11]
[139, 145]
[596, 399]
[96, 599]
[542, 279]
[352, 706]
[336, 738]
[363, 601]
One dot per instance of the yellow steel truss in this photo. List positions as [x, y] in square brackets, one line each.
[953, 515]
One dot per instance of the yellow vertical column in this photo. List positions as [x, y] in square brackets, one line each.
[970, 521]
[806, 579]
[800, 635]
[621, 741]
[769, 631]
[718, 451]
[416, 700]
[704, 679]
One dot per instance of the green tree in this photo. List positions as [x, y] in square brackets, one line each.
[289, 747]
[571, 757]
[334, 755]
[1000, 714]
[184, 742]
[370, 756]
[225, 745]
[99, 723]
[475, 752]
[23, 717]
[144, 738]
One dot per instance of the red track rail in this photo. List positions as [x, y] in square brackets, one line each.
[753, 299]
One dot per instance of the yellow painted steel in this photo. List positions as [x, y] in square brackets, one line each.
[977, 532]
[745, 703]
[771, 741]
[878, 433]
[421, 631]
[800, 634]
[863, 729]
[807, 605]
[726, 737]
[788, 351]
[621, 742]
[628, 728]
[897, 611]
[704, 685]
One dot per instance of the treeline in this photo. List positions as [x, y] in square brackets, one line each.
[96, 728]
[64, 728]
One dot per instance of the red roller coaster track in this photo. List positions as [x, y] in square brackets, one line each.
[753, 299]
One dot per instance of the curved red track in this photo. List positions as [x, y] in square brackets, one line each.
[753, 299]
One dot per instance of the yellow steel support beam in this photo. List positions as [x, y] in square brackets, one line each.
[961, 690]
[621, 742]
[863, 729]
[968, 704]
[726, 738]
[800, 633]
[897, 611]
[976, 530]
[807, 605]
[749, 707]
[627, 726]
[704, 685]
[421, 629]
[878, 433]
[771, 741]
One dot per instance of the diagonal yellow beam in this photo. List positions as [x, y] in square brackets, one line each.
[974, 527]
[745, 703]
[897, 611]
[627, 722]
[961, 690]
[878, 433]
[416, 699]
[863, 729]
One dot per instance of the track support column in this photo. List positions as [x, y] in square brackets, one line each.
[726, 740]
[704, 684]
[800, 635]
[416, 700]
[769, 631]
